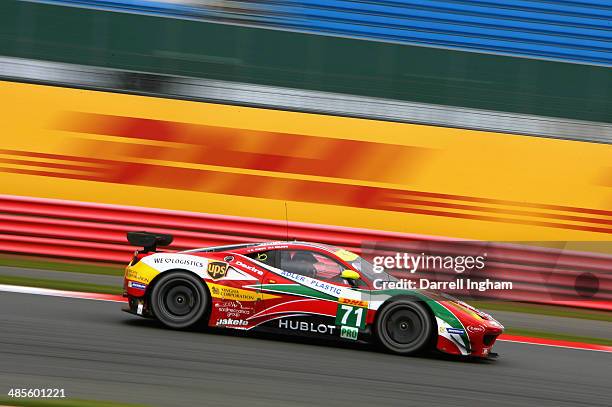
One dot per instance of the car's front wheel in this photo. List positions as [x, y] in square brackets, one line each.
[179, 300]
[404, 326]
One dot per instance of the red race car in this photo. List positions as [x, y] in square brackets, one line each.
[298, 288]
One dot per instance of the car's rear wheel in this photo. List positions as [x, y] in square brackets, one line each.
[179, 300]
[404, 326]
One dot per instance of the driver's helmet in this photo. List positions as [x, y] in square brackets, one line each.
[303, 256]
[302, 262]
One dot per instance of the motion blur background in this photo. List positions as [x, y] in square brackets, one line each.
[334, 121]
[389, 123]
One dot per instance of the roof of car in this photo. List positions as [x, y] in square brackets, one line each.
[255, 245]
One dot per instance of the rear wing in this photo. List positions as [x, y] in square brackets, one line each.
[149, 241]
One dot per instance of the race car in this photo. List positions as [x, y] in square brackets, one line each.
[298, 288]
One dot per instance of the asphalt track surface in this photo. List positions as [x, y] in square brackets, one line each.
[94, 351]
[562, 325]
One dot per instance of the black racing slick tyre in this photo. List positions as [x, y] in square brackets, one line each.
[404, 327]
[179, 300]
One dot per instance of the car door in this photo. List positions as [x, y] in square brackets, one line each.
[235, 291]
[309, 294]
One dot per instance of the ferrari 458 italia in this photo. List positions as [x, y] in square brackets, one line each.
[297, 288]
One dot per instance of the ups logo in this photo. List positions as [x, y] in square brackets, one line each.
[217, 269]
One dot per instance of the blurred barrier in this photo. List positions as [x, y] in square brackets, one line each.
[191, 47]
[248, 94]
[96, 232]
[123, 149]
[574, 32]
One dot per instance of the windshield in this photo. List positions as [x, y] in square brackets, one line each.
[366, 270]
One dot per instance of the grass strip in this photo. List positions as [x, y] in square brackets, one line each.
[61, 285]
[542, 309]
[561, 337]
[105, 269]
[24, 402]
[58, 265]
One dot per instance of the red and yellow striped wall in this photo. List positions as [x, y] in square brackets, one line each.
[227, 160]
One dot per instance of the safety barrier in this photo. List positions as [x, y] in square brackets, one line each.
[96, 232]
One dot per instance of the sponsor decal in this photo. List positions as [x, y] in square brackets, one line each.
[217, 269]
[457, 340]
[457, 331]
[141, 273]
[294, 277]
[137, 285]
[306, 326]
[231, 293]
[264, 248]
[250, 268]
[178, 260]
[354, 303]
[477, 329]
[330, 289]
[349, 332]
[350, 315]
[231, 322]
[234, 309]
[228, 258]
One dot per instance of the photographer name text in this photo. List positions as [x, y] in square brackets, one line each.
[427, 284]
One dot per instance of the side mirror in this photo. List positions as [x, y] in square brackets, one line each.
[350, 275]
